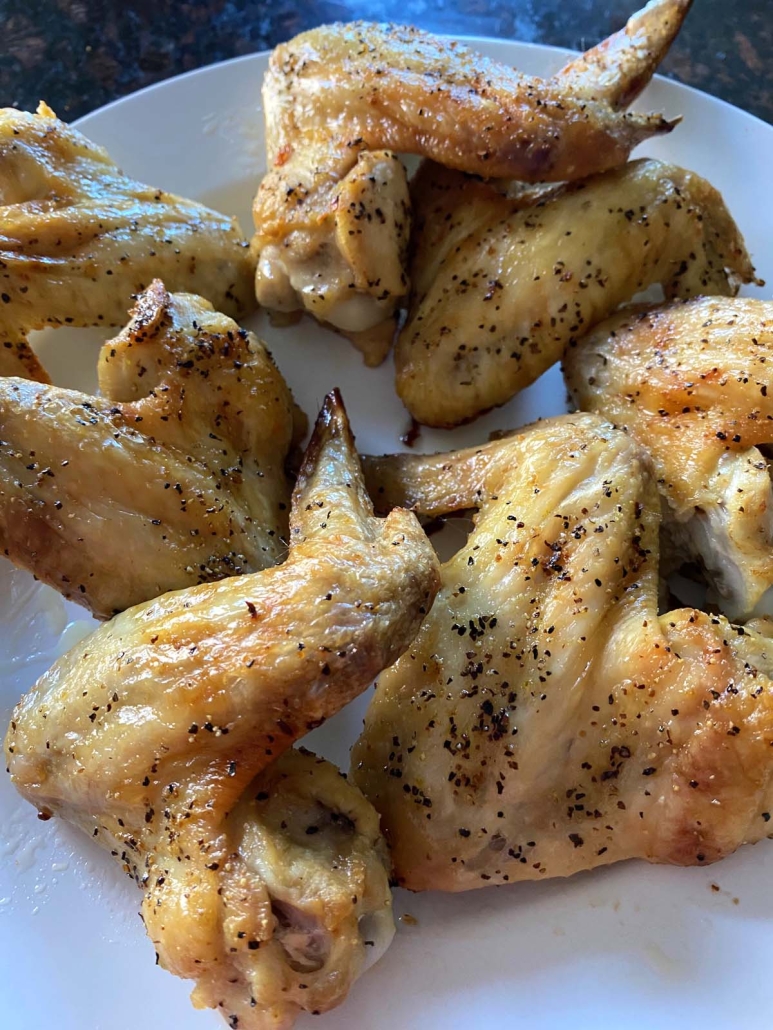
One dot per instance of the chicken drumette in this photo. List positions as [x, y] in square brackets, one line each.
[546, 719]
[175, 475]
[165, 736]
[693, 382]
[332, 214]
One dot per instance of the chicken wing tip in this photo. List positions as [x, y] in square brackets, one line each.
[332, 424]
[332, 421]
[44, 110]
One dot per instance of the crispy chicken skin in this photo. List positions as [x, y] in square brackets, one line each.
[546, 719]
[175, 475]
[79, 237]
[341, 99]
[165, 737]
[694, 383]
[17, 357]
[503, 284]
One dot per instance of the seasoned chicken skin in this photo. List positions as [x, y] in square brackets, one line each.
[331, 214]
[346, 264]
[546, 719]
[693, 382]
[503, 284]
[17, 358]
[79, 237]
[175, 475]
[165, 737]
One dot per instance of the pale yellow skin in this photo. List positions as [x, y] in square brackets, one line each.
[78, 237]
[341, 99]
[150, 734]
[174, 475]
[503, 284]
[693, 382]
[546, 720]
[346, 266]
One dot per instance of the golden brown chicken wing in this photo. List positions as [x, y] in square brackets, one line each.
[165, 736]
[175, 475]
[340, 99]
[693, 382]
[79, 237]
[546, 719]
[503, 284]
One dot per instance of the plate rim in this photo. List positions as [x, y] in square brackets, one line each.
[182, 1012]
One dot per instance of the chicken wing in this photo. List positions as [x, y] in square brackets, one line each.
[340, 99]
[546, 720]
[79, 237]
[693, 382]
[165, 737]
[504, 284]
[174, 476]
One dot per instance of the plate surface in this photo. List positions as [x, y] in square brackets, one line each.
[654, 947]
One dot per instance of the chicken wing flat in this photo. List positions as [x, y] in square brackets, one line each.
[693, 382]
[175, 475]
[331, 214]
[79, 237]
[546, 719]
[504, 284]
[165, 736]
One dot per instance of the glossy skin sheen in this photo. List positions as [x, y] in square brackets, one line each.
[346, 265]
[79, 238]
[159, 736]
[546, 720]
[175, 475]
[694, 383]
[342, 98]
[503, 284]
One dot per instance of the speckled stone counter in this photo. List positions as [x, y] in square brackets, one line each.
[79, 54]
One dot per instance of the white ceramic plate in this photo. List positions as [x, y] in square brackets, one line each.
[645, 946]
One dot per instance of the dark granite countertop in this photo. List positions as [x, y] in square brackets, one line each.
[79, 54]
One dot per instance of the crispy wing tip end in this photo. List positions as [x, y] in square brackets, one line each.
[149, 305]
[332, 422]
[330, 468]
[620, 67]
[643, 127]
[44, 111]
[669, 124]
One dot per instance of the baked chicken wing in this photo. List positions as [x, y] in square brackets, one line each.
[331, 214]
[79, 238]
[503, 284]
[166, 734]
[175, 475]
[693, 382]
[546, 719]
